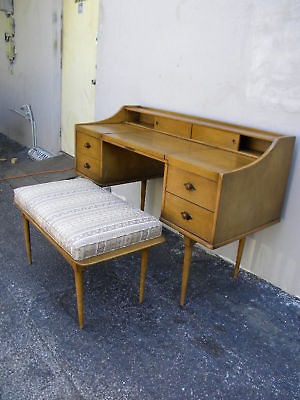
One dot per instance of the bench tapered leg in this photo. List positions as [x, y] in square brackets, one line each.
[27, 238]
[78, 271]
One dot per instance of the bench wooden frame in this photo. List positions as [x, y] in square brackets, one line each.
[79, 266]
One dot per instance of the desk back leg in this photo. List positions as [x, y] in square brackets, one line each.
[143, 193]
[239, 256]
[188, 248]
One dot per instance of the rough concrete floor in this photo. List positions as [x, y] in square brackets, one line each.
[28, 171]
[232, 340]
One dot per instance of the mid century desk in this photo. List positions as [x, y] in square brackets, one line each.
[222, 182]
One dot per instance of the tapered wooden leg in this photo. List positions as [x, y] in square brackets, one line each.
[239, 257]
[143, 194]
[78, 271]
[188, 244]
[27, 238]
[144, 261]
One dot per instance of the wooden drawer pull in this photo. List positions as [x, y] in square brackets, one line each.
[185, 215]
[87, 145]
[189, 186]
[86, 165]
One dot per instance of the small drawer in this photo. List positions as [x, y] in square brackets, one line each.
[88, 145]
[192, 187]
[188, 216]
[90, 167]
[173, 126]
[216, 137]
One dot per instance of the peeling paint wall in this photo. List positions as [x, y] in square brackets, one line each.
[236, 61]
[35, 76]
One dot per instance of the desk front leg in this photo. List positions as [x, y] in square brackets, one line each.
[188, 248]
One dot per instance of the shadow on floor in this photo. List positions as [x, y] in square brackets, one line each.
[232, 340]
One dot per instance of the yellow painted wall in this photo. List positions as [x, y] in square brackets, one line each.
[80, 29]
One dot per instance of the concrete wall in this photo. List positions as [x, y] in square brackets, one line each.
[35, 77]
[236, 61]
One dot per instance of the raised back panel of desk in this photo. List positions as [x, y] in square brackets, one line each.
[215, 133]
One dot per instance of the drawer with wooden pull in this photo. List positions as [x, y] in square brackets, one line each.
[190, 217]
[192, 187]
[88, 145]
[89, 167]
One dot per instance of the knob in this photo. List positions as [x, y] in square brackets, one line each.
[185, 215]
[87, 145]
[87, 165]
[189, 186]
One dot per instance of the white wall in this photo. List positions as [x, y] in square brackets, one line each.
[236, 61]
[36, 74]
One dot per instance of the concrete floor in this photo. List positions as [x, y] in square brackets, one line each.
[31, 172]
[232, 340]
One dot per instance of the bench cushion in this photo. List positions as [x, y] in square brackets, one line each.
[84, 219]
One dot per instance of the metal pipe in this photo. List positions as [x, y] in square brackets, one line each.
[28, 115]
[35, 153]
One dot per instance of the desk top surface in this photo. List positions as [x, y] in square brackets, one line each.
[181, 152]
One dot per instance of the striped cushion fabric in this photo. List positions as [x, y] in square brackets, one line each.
[84, 219]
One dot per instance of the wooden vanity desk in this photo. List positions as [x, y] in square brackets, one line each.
[222, 182]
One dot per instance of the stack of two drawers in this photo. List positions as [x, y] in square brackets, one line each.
[88, 156]
[189, 203]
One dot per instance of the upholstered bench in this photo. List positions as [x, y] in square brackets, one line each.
[87, 225]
